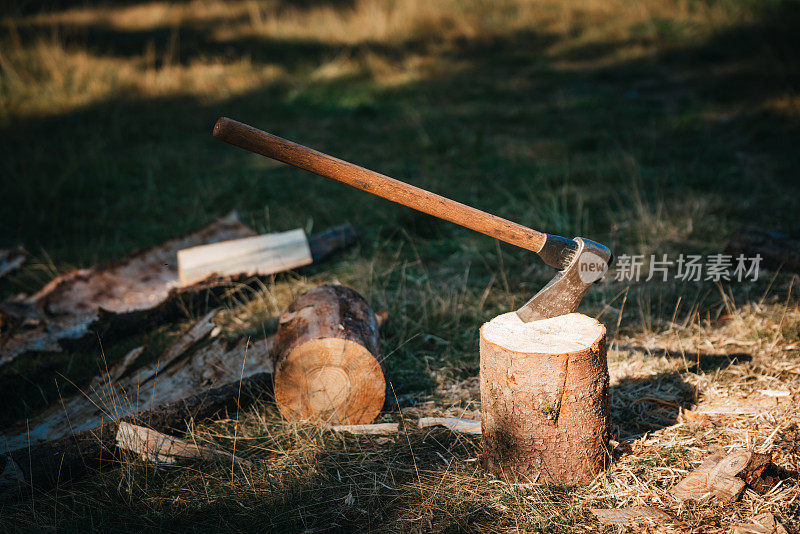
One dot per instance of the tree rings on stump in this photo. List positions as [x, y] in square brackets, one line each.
[544, 398]
[328, 364]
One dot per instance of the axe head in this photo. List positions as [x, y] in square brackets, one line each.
[586, 263]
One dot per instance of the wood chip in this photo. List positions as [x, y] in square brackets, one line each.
[376, 428]
[163, 449]
[696, 417]
[464, 426]
[724, 476]
[633, 516]
[761, 524]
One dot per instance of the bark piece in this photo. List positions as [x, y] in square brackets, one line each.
[456, 424]
[12, 259]
[776, 249]
[46, 464]
[176, 374]
[544, 398]
[764, 523]
[162, 449]
[724, 477]
[328, 363]
[375, 428]
[257, 255]
[761, 474]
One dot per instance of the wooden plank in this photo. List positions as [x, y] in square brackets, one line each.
[259, 255]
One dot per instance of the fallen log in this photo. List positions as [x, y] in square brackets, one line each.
[190, 365]
[763, 523]
[124, 295]
[328, 363]
[128, 290]
[544, 398]
[47, 464]
[776, 249]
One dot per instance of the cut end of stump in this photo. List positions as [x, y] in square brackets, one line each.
[557, 335]
[333, 380]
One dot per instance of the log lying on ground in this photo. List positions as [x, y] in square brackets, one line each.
[123, 295]
[776, 249]
[328, 363]
[544, 398]
[193, 363]
[47, 464]
[73, 304]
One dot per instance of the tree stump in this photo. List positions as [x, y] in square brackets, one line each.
[328, 364]
[544, 398]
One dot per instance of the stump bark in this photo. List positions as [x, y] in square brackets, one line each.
[544, 398]
[328, 363]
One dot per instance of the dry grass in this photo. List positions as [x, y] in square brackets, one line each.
[46, 70]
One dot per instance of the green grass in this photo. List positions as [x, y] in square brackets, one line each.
[655, 129]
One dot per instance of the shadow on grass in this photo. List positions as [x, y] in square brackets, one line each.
[634, 413]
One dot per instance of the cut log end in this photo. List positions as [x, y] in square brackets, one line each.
[557, 335]
[544, 398]
[330, 379]
[328, 364]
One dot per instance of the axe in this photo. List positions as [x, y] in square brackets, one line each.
[580, 261]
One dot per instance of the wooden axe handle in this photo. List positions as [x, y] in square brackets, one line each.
[274, 147]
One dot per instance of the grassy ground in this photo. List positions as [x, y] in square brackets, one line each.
[654, 126]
